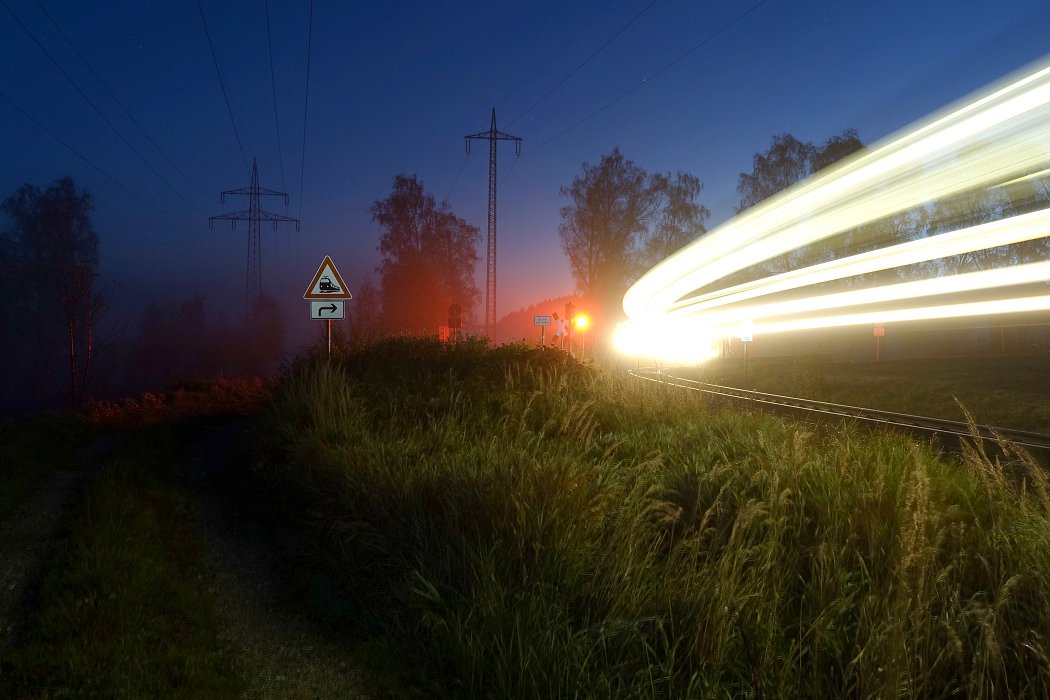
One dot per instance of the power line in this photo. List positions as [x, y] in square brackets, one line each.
[273, 83]
[506, 175]
[593, 16]
[455, 181]
[222, 84]
[82, 157]
[93, 105]
[306, 104]
[585, 62]
[645, 81]
[116, 99]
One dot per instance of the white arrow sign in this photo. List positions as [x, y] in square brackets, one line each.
[331, 310]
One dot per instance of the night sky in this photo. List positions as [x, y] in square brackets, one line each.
[394, 87]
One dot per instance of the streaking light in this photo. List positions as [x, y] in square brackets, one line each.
[722, 322]
[991, 141]
[1015, 229]
[667, 339]
[976, 308]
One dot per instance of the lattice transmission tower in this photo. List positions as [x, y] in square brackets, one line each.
[492, 136]
[253, 215]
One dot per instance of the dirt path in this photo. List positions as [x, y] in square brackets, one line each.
[278, 649]
[28, 535]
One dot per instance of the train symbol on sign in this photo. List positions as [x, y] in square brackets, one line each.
[325, 285]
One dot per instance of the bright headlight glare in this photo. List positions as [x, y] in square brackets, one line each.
[667, 339]
[991, 141]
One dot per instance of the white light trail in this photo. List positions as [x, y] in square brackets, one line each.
[722, 321]
[993, 140]
[1003, 232]
[974, 308]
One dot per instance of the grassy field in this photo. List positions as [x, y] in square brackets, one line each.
[1009, 392]
[517, 525]
[121, 611]
[32, 448]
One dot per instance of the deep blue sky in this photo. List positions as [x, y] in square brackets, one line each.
[394, 87]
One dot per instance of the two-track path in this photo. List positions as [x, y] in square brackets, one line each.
[278, 649]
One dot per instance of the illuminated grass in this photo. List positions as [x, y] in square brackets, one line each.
[525, 527]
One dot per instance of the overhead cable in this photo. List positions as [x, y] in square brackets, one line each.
[84, 158]
[222, 84]
[306, 104]
[585, 62]
[645, 81]
[93, 105]
[115, 99]
[273, 83]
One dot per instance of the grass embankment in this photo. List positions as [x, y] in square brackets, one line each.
[1004, 391]
[121, 610]
[520, 526]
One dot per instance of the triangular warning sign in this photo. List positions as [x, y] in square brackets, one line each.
[327, 283]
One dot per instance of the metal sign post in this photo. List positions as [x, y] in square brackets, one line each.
[745, 362]
[455, 322]
[542, 322]
[327, 294]
[746, 336]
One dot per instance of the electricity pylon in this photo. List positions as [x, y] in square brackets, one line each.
[492, 135]
[254, 214]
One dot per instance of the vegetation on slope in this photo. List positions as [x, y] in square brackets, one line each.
[519, 525]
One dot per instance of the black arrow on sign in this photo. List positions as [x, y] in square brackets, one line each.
[332, 308]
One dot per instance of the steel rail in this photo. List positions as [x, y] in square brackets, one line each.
[925, 424]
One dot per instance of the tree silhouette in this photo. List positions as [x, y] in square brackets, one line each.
[611, 207]
[681, 221]
[51, 306]
[621, 220]
[429, 256]
[786, 162]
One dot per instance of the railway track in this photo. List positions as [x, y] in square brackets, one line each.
[818, 410]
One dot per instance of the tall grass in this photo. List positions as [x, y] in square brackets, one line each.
[524, 526]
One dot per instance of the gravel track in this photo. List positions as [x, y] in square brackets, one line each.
[278, 649]
[29, 534]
